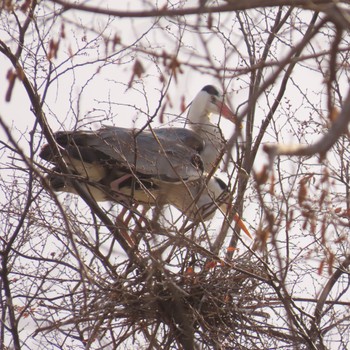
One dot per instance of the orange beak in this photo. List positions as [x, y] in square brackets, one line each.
[241, 225]
[226, 112]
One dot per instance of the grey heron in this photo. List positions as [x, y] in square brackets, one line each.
[165, 165]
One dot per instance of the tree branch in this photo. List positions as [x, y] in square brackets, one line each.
[321, 147]
[322, 300]
[236, 5]
[35, 100]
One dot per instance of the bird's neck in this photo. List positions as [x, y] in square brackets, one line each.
[200, 123]
[210, 134]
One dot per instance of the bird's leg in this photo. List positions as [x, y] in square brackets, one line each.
[123, 225]
[141, 224]
[143, 219]
[114, 185]
[123, 221]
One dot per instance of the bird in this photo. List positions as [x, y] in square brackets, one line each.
[150, 166]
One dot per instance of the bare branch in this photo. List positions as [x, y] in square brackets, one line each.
[316, 5]
[339, 127]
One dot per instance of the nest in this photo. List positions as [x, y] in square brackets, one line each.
[215, 308]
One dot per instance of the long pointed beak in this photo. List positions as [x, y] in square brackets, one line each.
[242, 225]
[226, 112]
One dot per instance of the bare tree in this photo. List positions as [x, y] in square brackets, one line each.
[76, 274]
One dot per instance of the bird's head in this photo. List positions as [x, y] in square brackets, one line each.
[213, 195]
[208, 101]
[219, 193]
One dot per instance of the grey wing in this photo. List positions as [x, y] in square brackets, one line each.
[116, 150]
[151, 154]
[185, 137]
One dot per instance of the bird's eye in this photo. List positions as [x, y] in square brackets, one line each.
[213, 99]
